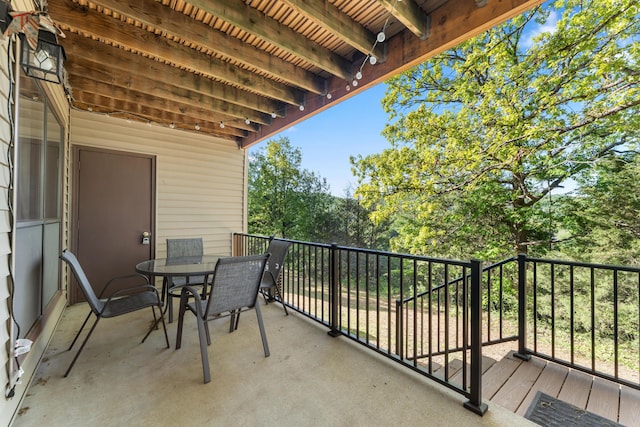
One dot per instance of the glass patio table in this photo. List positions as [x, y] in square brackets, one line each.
[187, 267]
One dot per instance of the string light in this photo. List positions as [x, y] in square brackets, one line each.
[172, 125]
[247, 121]
[197, 126]
[301, 107]
[221, 125]
[273, 114]
[329, 96]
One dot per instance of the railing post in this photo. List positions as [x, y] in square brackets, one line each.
[475, 401]
[522, 308]
[334, 291]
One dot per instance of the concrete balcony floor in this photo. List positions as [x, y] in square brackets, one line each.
[310, 379]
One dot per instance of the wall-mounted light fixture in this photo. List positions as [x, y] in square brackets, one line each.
[5, 18]
[46, 61]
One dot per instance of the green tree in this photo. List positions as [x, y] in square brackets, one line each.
[285, 200]
[603, 218]
[354, 227]
[482, 133]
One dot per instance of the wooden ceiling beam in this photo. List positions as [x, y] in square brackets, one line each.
[102, 105]
[143, 104]
[452, 23]
[239, 14]
[332, 19]
[114, 66]
[157, 46]
[163, 18]
[410, 15]
[81, 71]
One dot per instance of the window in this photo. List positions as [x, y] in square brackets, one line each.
[38, 204]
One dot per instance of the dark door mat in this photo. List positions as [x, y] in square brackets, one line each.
[549, 411]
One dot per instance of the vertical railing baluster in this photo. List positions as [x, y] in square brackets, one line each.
[534, 292]
[571, 315]
[334, 291]
[466, 283]
[357, 280]
[616, 331]
[489, 305]
[366, 284]
[500, 314]
[553, 310]
[430, 318]
[522, 308]
[401, 324]
[593, 319]
[415, 313]
[378, 301]
[446, 321]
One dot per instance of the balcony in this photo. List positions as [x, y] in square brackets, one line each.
[408, 340]
[309, 379]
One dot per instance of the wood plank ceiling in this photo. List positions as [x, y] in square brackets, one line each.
[244, 70]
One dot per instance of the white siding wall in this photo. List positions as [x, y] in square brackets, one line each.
[200, 180]
[9, 406]
[6, 407]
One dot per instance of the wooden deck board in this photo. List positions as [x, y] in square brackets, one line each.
[576, 389]
[629, 406]
[498, 374]
[604, 399]
[487, 363]
[549, 382]
[513, 383]
[513, 392]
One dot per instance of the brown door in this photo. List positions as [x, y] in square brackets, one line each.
[113, 206]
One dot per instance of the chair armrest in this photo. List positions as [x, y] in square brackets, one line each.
[127, 276]
[184, 297]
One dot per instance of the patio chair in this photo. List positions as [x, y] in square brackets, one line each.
[234, 289]
[182, 248]
[118, 303]
[273, 271]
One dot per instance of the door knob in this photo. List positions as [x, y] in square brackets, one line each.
[146, 238]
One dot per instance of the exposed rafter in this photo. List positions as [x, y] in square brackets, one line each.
[255, 66]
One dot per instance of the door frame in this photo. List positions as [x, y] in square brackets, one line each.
[74, 293]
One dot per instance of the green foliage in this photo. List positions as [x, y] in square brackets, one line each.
[603, 218]
[290, 202]
[283, 199]
[482, 133]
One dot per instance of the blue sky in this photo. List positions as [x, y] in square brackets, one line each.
[329, 138]
[353, 127]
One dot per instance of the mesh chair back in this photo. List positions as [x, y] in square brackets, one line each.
[71, 260]
[190, 247]
[235, 283]
[278, 250]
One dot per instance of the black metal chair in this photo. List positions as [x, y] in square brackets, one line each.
[118, 303]
[272, 272]
[182, 248]
[234, 289]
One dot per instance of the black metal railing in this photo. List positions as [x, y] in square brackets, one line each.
[371, 297]
[586, 316]
[419, 311]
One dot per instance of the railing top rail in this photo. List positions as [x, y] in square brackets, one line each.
[374, 252]
[632, 269]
